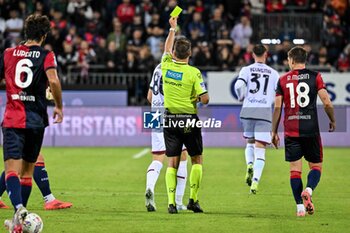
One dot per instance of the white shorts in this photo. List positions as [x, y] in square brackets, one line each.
[257, 129]
[158, 144]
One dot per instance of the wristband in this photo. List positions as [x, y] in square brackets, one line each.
[172, 29]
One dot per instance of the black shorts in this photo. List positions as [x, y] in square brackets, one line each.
[309, 147]
[22, 143]
[176, 137]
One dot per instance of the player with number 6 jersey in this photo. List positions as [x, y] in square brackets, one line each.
[27, 69]
[256, 84]
[298, 90]
[26, 98]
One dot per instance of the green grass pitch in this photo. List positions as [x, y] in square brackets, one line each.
[106, 186]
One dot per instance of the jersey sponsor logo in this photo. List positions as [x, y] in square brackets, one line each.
[254, 100]
[157, 103]
[22, 96]
[173, 83]
[299, 117]
[22, 53]
[174, 75]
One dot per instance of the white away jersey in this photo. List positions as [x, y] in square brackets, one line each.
[156, 86]
[261, 81]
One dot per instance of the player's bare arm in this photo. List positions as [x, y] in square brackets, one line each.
[168, 47]
[56, 91]
[149, 95]
[328, 108]
[276, 121]
[3, 83]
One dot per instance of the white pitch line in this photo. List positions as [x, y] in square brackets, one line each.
[141, 153]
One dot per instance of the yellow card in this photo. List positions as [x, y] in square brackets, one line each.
[176, 12]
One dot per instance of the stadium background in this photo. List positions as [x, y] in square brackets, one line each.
[107, 49]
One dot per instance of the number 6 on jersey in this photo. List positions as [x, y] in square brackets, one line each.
[23, 66]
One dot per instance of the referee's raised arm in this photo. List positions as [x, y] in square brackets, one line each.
[171, 36]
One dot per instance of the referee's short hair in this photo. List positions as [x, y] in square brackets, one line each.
[182, 47]
[298, 54]
[259, 50]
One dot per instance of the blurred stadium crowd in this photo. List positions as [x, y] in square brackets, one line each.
[128, 35]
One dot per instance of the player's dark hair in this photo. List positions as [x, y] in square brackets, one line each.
[298, 54]
[259, 50]
[36, 26]
[182, 48]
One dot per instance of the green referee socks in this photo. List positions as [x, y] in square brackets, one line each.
[170, 180]
[195, 180]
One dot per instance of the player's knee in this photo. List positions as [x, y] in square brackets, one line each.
[260, 144]
[196, 159]
[184, 155]
[26, 173]
[158, 157]
[317, 168]
[250, 141]
[295, 174]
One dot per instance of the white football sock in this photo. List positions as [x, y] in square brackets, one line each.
[181, 182]
[300, 207]
[309, 190]
[249, 153]
[49, 198]
[153, 174]
[18, 206]
[259, 163]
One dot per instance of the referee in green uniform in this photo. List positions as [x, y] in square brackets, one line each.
[183, 87]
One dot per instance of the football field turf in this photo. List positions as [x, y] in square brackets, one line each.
[106, 186]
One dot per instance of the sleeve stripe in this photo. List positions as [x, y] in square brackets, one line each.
[242, 80]
[203, 93]
[50, 67]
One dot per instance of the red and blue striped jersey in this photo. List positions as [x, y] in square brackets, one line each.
[24, 70]
[299, 89]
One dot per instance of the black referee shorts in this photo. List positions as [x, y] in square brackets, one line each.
[176, 136]
[308, 147]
